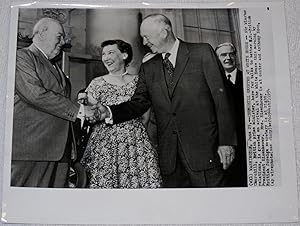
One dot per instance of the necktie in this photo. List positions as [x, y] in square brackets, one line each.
[229, 77]
[169, 69]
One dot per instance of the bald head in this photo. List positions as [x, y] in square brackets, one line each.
[156, 31]
[158, 19]
[48, 35]
[43, 25]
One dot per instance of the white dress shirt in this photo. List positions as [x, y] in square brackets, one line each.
[173, 51]
[232, 75]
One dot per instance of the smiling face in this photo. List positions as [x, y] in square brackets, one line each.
[153, 35]
[227, 56]
[53, 39]
[113, 58]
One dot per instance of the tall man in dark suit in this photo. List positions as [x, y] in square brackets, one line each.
[185, 86]
[237, 172]
[42, 112]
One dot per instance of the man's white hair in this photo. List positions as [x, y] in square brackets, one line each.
[42, 25]
[226, 44]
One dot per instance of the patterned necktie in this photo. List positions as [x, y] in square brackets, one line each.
[169, 69]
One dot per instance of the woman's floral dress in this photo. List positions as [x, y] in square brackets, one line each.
[120, 155]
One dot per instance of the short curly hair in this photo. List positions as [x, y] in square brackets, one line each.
[123, 46]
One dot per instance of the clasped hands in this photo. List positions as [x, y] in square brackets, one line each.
[100, 113]
[93, 110]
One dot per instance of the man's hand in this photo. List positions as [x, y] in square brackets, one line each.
[88, 111]
[100, 113]
[227, 155]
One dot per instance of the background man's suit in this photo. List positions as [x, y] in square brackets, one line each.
[194, 117]
[42, 111]
[237, 172]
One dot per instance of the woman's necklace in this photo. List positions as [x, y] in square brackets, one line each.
[122, 75]
[117, 79]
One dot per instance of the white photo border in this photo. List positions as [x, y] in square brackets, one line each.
[162, 206]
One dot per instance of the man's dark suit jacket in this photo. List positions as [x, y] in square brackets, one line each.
[42, 109]
[197, 111]
[237, 173]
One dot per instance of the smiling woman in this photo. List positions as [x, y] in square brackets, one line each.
[119, 156]
[116, 56]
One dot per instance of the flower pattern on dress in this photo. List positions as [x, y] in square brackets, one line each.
[120, 155]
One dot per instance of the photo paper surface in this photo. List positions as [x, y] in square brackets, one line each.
[267, 191]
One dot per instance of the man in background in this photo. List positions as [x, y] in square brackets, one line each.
[41, 149]
[237, 172]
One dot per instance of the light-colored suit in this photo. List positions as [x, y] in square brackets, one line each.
[42, 108]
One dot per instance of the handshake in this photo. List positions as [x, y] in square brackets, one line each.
[94, 111]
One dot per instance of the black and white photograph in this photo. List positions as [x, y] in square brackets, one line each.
[156, 106]
[169, 128]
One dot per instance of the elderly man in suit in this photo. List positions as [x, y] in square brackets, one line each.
[42, 112]
[237, 172]
[184, 84]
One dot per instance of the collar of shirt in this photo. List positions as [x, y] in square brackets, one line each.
[233, 75]
[173, 51]
[41, 50]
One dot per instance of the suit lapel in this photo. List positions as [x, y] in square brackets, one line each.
[181, 61]
[65, 81]
[61, 74]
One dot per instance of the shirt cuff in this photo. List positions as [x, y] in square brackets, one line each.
[109, 120]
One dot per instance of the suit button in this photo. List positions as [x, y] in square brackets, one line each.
[174, 113]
